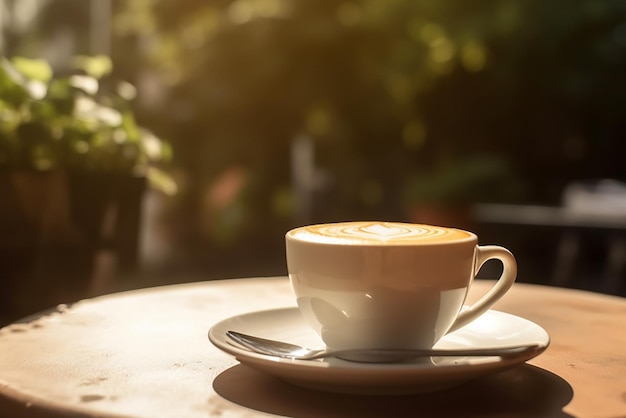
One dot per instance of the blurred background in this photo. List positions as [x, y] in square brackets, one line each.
[149, 142]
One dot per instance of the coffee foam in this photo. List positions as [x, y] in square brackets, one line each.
[373, 233]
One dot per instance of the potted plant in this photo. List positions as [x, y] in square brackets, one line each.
[73, 166]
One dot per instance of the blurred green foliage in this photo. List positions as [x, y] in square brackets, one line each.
[406, 102]
[75, 122]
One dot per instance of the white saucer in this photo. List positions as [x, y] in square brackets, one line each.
[493, 329]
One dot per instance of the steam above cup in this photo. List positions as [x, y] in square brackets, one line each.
[388, 285]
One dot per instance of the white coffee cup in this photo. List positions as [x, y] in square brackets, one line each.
[387, 285]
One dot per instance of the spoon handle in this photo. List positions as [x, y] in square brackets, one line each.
[391, 355]
[291, 351]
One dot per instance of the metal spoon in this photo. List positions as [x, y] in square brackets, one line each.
[295, 352]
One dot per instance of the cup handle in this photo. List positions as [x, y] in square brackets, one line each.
[504, 283]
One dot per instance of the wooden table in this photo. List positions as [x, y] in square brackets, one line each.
[145, 353]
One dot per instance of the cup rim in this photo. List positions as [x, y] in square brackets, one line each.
[471, 237]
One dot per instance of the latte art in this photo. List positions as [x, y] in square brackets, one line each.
[368, 233]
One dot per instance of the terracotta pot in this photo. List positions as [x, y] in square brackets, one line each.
[53, 225]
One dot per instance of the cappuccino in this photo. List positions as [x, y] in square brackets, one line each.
[389, 285]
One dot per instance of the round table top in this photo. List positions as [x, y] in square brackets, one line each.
[145, 353]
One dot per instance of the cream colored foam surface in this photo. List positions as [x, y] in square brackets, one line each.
[376, 233]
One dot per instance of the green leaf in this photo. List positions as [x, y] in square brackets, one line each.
[162, 181]
[85, 83]
[34, 69]
[97, 66]
[9, 75]
[13, 88]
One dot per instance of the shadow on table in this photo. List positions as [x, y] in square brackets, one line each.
[524, 391]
